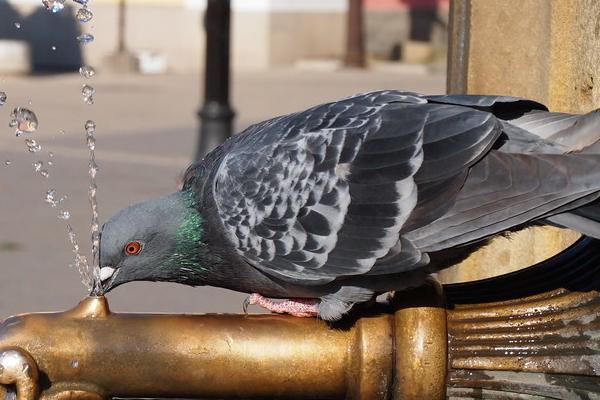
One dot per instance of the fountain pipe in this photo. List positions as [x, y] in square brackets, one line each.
[96, 353]
[413, 348]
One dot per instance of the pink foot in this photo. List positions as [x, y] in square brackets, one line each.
[295, 307]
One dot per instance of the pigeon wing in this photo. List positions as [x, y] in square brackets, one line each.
[321, 194]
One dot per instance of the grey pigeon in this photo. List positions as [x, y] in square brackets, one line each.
[334, 205]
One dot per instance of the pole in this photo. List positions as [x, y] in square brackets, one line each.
[216, 114]
[121, 31]
[355, 52]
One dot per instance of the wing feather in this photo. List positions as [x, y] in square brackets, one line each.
[328, 190]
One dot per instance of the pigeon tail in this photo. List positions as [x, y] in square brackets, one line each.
[572, 132]
[585, 220]
[582, 136]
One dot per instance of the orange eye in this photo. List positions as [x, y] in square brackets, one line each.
[133, 248]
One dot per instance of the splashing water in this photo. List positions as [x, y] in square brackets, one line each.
[3, 98]
[7, 162]
[88, 94]
[84, 14]
[38, 167]
[32, 145]
[51, 198]
[90, 272]
[90, 131]
[86, 38]
[80, 261]
[87, 71]
[54, 5]
[23, 120]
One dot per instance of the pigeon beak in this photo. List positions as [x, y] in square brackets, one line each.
[106, 273]
[108, 276]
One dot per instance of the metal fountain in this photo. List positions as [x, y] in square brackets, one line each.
[432, 342]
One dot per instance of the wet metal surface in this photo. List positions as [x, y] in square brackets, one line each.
[90, 352]
[545, 346]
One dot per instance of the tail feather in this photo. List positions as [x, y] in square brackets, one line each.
[575, 132]
[584, 132]
[567, 133]
[585, 219]
[586, 226]
[591, 211]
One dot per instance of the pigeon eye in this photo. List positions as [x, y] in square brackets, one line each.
[133, 248]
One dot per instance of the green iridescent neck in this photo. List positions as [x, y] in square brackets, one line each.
[188, 238]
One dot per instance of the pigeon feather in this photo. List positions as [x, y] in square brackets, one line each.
[368, 194]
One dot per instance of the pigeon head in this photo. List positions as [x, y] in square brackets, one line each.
[157, 240]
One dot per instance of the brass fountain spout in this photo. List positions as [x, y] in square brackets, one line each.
[414, 348]
[93, 353]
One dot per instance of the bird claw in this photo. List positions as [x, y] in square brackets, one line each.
[296, 307]
[245, 305]
[248, 301]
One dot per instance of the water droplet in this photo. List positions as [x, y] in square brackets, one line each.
[53, 48]
[50, 154]
[84, 14]
[64, 215]
[62, 132]
[91, 144]
[44, 173]
[90, 126]
[24, 120]
[54, 5]
[7, 162]
[32, 145]
[51, 197]
[75, 363]
[86, 38]
[87, 71]
[18, 25]
[88, 94]
[3, 98]
[37, 166]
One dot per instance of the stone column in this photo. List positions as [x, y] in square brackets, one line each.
[548, 51]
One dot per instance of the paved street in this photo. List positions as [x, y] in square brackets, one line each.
[146, 133]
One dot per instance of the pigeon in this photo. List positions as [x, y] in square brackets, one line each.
[314, 212]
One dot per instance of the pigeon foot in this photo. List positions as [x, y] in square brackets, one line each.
[295, 307]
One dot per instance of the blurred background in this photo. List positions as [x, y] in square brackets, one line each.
[152, 69]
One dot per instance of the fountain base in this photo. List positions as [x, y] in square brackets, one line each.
[414, 348]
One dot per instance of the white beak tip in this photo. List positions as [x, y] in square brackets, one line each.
[106, 273]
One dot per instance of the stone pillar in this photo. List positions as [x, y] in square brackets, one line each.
[548, 51]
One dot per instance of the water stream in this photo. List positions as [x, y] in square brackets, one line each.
[25, 122]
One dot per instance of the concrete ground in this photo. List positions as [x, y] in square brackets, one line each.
[146, 134]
